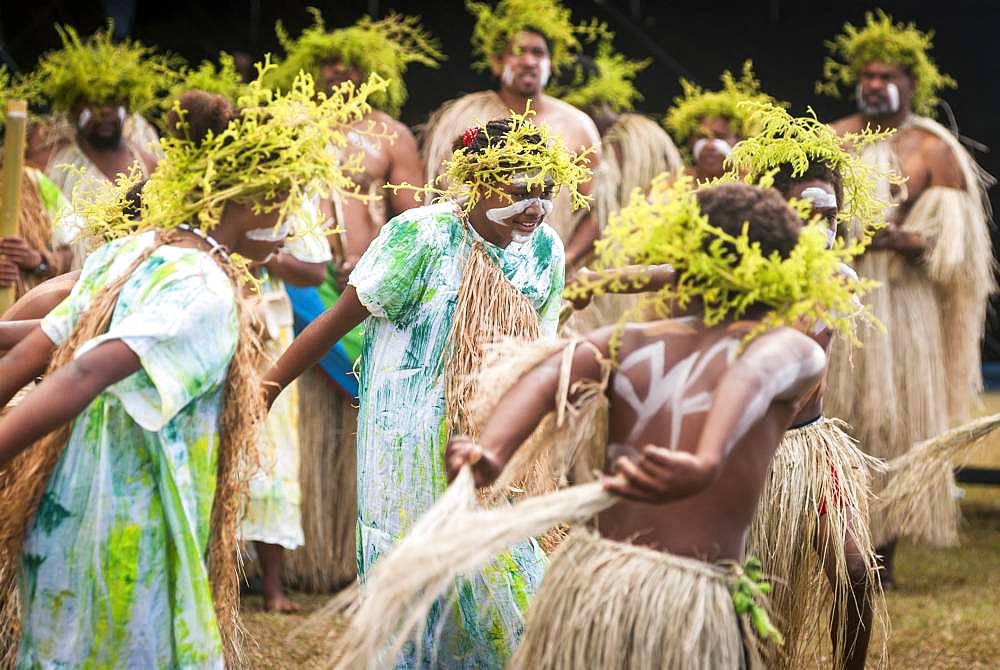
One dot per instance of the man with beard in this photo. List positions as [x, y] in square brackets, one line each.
[387, 151]
[934, 262]
[521, 42]
[709, 123]
[93, 85]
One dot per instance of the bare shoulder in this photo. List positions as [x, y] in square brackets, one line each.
[849, 124]
[572, 122]
[944, 165]
[792, 345]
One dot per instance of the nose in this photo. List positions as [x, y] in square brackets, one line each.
[534, 208]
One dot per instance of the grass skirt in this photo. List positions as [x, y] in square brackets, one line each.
[606, 604]
[815, 497]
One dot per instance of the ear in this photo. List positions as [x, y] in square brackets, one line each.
[496, 65]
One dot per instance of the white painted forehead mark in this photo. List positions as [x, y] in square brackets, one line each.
[820, 197]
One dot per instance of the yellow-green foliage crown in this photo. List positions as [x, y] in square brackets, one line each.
[99, 70]
[730, 274]
[612, 84]
[880, 39]
[386, 47]
[695, 104]
[495, 27]
[222, 79]
[469, 176]
[800, 141]
[268, 156]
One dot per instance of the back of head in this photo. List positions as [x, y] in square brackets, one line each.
[201, 113]
[768, 218]
[476, 140]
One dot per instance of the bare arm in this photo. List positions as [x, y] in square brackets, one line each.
[295, 272]
[63, 395]
[519, 412]
[26, 361]
[780, 366]
[313, 342]
[12, 332]
[635, 279]
[42, 299]
[581, 243]
[404, 166]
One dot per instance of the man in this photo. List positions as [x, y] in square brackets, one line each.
[522, 42]
[814, 507]
[709, 123]
[388, 153]
[92, 86]
[439, 283]
[934, 261]
[696, 412]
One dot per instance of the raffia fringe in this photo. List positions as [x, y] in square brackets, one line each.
[904, 502]
[23, 482]
[816, 466]
[454, 537]
[606, 604]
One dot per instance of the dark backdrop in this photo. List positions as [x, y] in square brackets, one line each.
[694, 39]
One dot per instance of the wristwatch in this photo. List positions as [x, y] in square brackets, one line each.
[41, 269]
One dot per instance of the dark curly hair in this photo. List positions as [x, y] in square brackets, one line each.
[817, 170]
[493, 134]
[771, 222]
[203, 112]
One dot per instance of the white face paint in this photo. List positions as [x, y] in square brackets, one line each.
[891, 107]
[500, 215]
[721, 146]
[544, 71]
[276, 234]
[121, 113]
[821, 197]
[85, 116]
[508, 75]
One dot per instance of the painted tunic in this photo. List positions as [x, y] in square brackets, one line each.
[274, 513]
[409, 280]
[113, 572]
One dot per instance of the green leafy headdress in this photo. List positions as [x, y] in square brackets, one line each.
[278, 146]
[222, 79]
[801, 141]
[880, 39]
[99, 70]
[612, 81]
[495, 27]
[730, 274]
[526, 154]
[696, 104]
[386, 47]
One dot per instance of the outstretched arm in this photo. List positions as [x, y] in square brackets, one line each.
[519, 412]
[634, 279]
[291, 270]
[779, 366]
[12, 332]
[313, 342]
[64, 394]
[26, 361]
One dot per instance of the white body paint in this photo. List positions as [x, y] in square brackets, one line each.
[500, 215]
[721, 146]
[544, 71]
[85, 116]
[891, 90]
[669, 387]
[508, 75]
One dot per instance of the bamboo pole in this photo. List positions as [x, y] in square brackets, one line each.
[10, 178]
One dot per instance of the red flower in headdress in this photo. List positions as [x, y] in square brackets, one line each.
[470, 135]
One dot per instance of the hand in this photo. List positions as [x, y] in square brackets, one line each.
[8, 273]
[574, 286]
[271, 392]
[660, 476]
[17, 250]
[464, 450]
[344, 269]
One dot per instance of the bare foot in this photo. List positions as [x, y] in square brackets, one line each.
[279, 602]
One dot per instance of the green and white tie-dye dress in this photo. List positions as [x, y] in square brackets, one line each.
[409, 280]
[113, 571]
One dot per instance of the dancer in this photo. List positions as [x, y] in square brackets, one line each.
[521, 42]
[934, 261]
[814, 509]
[124, 521]
[387, 152]
[440, 282]
[706, 124]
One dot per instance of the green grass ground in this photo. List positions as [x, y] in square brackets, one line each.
[944, 615]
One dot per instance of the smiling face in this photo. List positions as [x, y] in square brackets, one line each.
[883, 90]
[502, 220]
[525, 66]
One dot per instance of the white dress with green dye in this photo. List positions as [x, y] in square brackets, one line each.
[409, 280]
[113, 572]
